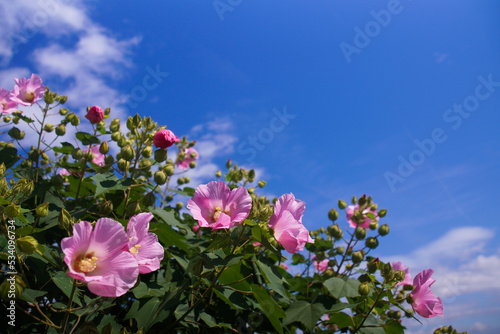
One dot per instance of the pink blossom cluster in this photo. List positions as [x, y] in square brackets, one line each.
[108, 258]
[26, 92]
[366, 220]
[190, 154]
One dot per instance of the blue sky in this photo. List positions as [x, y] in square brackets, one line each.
[372, 90]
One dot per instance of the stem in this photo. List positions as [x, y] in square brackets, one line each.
[66, 316]
[344, 255]
[369, 311]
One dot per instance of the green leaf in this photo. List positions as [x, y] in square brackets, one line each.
[234, 299]
[269, 306]
[170, 237]
[31, 295]
[236, 273]
[216, 259]
[8, 155]
[304, 312]
[66, 148]
[107, 182]
[87, 138]
[340, 319]
[393, 327]
[262, 237]
[144, 312]
[169, 218]
[65, 283]
[274, 279]
[342, 288]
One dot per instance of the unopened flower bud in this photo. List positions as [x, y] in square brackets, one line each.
[383, 230]
[357, 257]
[7, 119]
[75, 120]
[169, 170]
[133, 208]
[382, 213]
[123, 165]
[408, 287]
[149, 199]
[342, 204]
[147, 152]
[328, 272]
[179, 205]
[122, 142]
[399, 275]
[218, 174]
[48, 127]
[64, 220]
[61, 99]
[48, 98]
[192, 164]
[364, 289]
[105, 207]
[160, 177]
[89, 155]
[109, 160]
[16, 119]
[169, 197]
[160, 155]
[42, 210]
[128, 152]
[180, 181]
[354, 200]
[362, 200]
[335, 231]
[228, 163]
[115, 136]
[63, 111]
[409, 299]
[388, 272]
[11, 211]
[371, 242]
[27, 244]
[115, 125]
[333, 215]
[340, 250]
[360, 233]
[437, 331]
[15, 133]
[6, 291]
[373, 225]
[251, 175]
[104, 147]
[372, 266]
[77, 154]
[61, 130]
[261, 184]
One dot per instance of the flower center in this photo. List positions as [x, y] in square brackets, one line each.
[217, 213]
[88, 264]
[134, 250]
[29, 96]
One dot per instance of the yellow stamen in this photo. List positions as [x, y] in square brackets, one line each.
[87, 265]
[29, 96]
[217, 213]
[134, 250]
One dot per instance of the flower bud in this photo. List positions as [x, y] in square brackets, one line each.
[169, 170]
[11, 211]
[333, 215]
[122, 142]
[437, 331]
[340, 250]
[192, 164]
[371, 242]
[128, 152]
[64, 220]
[218, 174]
[388, 272]
[357, 257]
[169, 198]
[6, 292]
[335, 231]
[147, 152]
[61, 129]
[228, 163]
[160, 177]
[373, 225]
[104, 148]
[364, 289]
[89, 155]
[2, 169]
[109, 160]
[362, 200]
[382, 213]
[383, 230]
[354, 200]
[115, 125]
[399, 275]
[179, 205]
[251, 174]
[77, 154]
[42, 210]
[149, 199]
[160, 155]
[180, 181]
[16, 134]
[105, 207]
[48, 98]
[6, 119]
[27, 244]
[133, 208]
[372, 266]
[360, 233]
[48, 127]
[407, 287]
[123, 165]
[63, 111]
[342, 204]
[409, 299]
[61, 99]
[130, 123]
[75, 120]
[115, 136]
[261, 184]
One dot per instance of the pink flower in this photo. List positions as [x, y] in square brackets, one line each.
[144, 246]
[287, 223]
[96, 257]
[184, 164]
[98, 156]
[7, 106]
[399, 266]
[424, 301]
[284, 266]
[215, 205]
[164, 138]
[366, 220]
[321, 265]
[64, 172]
[28, 91]
[95, 114]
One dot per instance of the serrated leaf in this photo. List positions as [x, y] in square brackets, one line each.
[304, 312]
[339, 287]
[107, 182]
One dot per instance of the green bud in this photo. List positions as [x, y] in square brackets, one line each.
[16, 119]
[48, 127]
[169, 170]
[408, 287]
[48, 98]
[149, 199]
[7, 119]
[362, 200]
[335, 231]
[109, 160]
[27, 244]
[64, 220]
[63, 111]
[360, 233]
[328, 272]
[228, 163]
[61, 99]
[5, 291]
[357, 257]
[364, 289]
[382, 213]
[333, 215]
[2, 169]
[383, 230]
[251, 175]
[160, 155]
[354, 200]
[179, 205]
[218, 174]
[186, 179]
[130, 123]
[147, 152]
[373, 225]
[123, 165]
[115, 136]
[15, 133]
[169, 197]
[61, 129]
[133, 208]
[42, 210]
[115, 125]
[77, 154]
[104, 148]
[11, 211]
[409, 299]
[75, 120]
[371, 242]
[137, 121]
[438, 331]
[399, 275]
[340, 250]
[89, 155]
[261, 184]
[342, 204]
[192, 164]
[180, 181]
[160, 177]
[122, 142]
[388, 272]
[128, 152]
[372, 266]
[105, 207]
